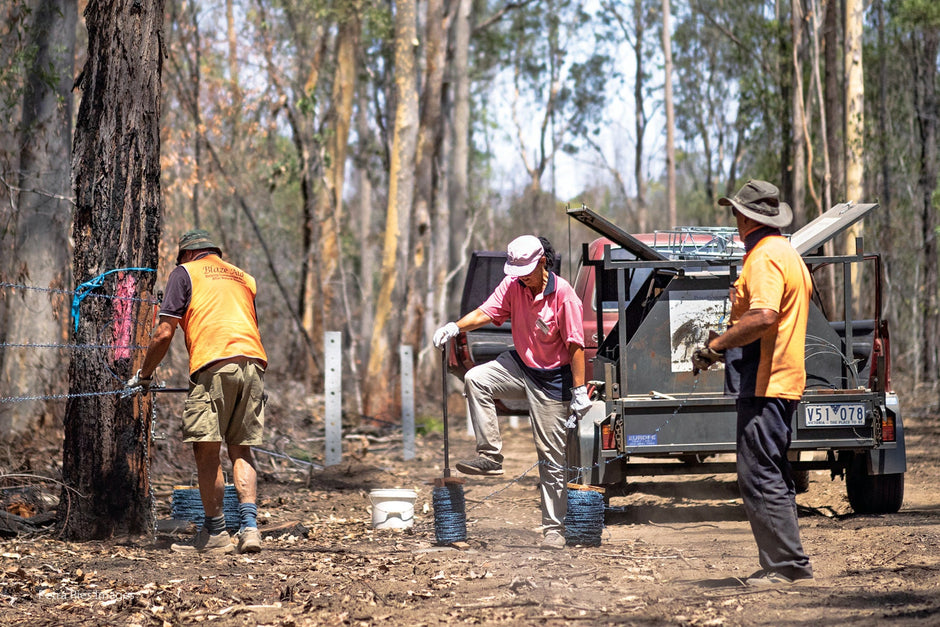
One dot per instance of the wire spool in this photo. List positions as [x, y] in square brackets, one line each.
[584, 520]
[187, 505]
[450, 518]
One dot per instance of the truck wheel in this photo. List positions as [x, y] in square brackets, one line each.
[801, 480]
[872, 494]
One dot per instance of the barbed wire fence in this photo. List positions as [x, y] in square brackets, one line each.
[108, 350]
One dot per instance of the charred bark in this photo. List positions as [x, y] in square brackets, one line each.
[117, 224]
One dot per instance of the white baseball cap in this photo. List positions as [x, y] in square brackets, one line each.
[522, 255]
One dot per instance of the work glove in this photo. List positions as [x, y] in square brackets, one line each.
[137, 383]
[445, 333]
[580, 403]
[703, 358]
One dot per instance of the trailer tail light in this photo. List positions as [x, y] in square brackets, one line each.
[887, 428]
[608, 438]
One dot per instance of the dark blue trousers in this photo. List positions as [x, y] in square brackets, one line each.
[767, 486]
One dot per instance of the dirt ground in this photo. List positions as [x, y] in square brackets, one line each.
[674, 552]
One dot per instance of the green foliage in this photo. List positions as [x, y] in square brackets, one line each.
[17, 54]
[557, 55]
[916, 14]
[428, 424]
[730, 74]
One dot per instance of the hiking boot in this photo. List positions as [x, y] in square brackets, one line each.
[480, 466]
[553, 541]
[769, 578]
[204, 542]
[249, 540]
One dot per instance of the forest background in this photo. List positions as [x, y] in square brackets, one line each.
[351, 153]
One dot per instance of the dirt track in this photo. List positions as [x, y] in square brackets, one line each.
[673, 553]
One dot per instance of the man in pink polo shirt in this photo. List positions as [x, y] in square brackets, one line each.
[546, 367]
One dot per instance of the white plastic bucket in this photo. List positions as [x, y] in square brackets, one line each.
[393, 509]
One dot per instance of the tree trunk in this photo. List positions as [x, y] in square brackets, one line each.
[926, 44]
[233, 73]
[796, 103]
[460, 155]
[364, 215]
[329, 213]
[424, 274]
[823, 114]
[40, 249]
[195, 77]
[884, 217]
[785, 71]
[854, 124]
[380, 393]
[670, 118]
[639, 116]
[834, 119]
[117, 224]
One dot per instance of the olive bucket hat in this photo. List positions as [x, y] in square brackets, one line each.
[196, 239]
[760, 201]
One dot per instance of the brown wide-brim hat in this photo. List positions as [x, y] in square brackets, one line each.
[760, 201]
[196, 239]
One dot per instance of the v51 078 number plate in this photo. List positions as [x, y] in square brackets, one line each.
[835, 415]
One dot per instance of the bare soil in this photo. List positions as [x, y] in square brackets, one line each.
[674, 552]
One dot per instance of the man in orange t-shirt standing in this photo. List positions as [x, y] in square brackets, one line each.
[763, 350]
[214, 302]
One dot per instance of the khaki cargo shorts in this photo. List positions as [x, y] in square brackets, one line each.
[226, 403]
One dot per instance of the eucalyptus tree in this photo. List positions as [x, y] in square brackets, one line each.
[632, 26]
[392, 293]
[38, 218]
[550, 64]
[669, 104]
[708, 114]
[117, 224]
[921, 45]
[752, 48]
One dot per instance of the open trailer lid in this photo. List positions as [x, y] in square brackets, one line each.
[615, 234]
[828, 225]
[806, 240]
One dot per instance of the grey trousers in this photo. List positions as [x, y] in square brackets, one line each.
[502, 378]
[767, 486]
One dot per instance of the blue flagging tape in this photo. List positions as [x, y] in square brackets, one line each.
[85, 288]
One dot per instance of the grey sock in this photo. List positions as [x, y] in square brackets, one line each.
[215, 524]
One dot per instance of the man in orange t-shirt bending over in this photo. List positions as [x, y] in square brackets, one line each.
[214, 302]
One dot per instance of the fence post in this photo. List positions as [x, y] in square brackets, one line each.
[407, 402]
[333, 397]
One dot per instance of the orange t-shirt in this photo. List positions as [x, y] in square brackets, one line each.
[220, 321]
[774, 277]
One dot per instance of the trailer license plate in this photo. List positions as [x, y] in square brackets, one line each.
[836, 415]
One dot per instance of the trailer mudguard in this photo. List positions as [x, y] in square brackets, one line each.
[890, 460]
[593, 468]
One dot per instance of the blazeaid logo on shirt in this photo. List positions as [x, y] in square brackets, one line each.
[216, 272]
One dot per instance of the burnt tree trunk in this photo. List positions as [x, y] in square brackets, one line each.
[117, 224]
[40, 253]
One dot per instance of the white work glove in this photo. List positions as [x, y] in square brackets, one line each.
[445, 333]
[137, 383]
[580, 403]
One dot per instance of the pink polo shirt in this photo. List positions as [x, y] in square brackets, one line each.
[542, 325]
